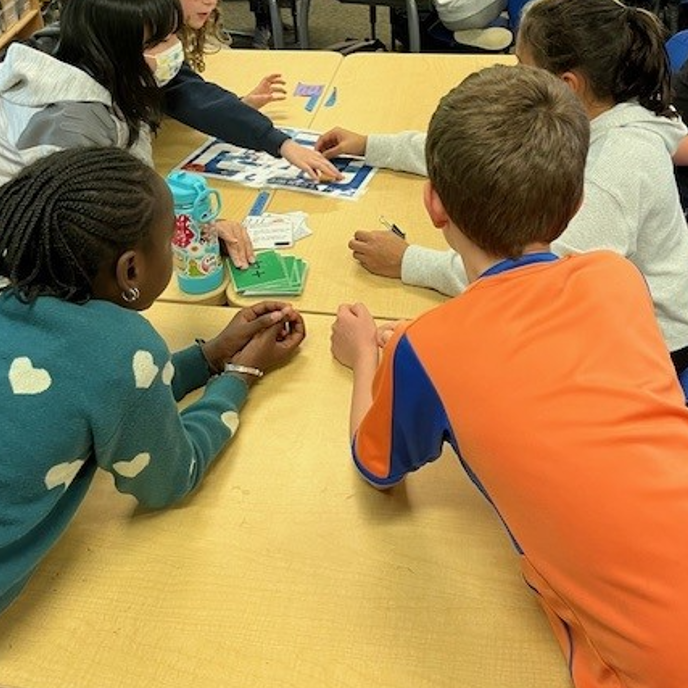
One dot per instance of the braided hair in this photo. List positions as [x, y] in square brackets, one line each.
[64, 217]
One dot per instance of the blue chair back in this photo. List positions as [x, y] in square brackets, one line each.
[683, 379]
[514, 9]
[677, 50]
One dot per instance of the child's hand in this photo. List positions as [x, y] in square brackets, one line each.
[354, 335]
[242, 328]
[379, 251]
[310, 161]
[269, 89]
[340, 141]
[385, 332]
[237, 242]
[274, 345]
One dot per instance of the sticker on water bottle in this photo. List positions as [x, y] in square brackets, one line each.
[196, 256]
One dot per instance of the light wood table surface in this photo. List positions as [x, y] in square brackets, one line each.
[376, 92]
[388, 92]
[370, 97]
[334, 277]
[284, 568]
[239, 71]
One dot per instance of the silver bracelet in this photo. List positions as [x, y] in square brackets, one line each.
[238, 368]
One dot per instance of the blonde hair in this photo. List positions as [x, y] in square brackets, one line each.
[198, 43]
[506, 154]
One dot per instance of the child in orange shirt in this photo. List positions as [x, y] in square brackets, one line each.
[575, 432]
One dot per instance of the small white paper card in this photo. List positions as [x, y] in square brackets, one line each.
[269, 231]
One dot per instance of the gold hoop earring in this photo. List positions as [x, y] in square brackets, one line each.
[131, 294]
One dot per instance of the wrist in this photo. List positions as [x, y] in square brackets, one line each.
[367, 360]
[212, 357]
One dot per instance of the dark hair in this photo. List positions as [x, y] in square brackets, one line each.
[67, 214]
[506, 154]
[106, 39]
[620, 50]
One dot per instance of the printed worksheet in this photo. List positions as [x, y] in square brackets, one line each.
[259, 169]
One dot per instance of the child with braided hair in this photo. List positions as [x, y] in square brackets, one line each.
[117, 67]
[85, 243]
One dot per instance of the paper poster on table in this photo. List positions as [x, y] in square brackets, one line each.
[215, 158]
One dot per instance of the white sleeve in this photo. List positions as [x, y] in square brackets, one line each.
[404, 151]
[440, 270]
[601, 223]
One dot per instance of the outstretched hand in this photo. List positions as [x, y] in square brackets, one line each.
[237, 242]
[269, 89]
[340, 141]
[315, 165]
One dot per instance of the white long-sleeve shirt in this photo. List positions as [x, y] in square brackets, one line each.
[631, 206]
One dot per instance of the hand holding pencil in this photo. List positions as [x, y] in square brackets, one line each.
[379, 251]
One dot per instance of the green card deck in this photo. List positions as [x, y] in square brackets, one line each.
[272, 274]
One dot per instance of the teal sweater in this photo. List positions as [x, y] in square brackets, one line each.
[88, 386]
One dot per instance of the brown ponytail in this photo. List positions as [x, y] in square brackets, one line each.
[620, 50]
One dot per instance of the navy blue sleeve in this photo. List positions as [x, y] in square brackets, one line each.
[407, 424]
[220, 113]
[679, 84]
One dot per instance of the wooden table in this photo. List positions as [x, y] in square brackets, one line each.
[388, 92]
[239, 71]
[284, 568]
[334, 277]
[369, 99]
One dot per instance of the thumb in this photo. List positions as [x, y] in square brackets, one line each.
[359, 310]
[263, 322]
[334, 151]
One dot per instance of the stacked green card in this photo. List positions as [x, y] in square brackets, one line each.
[272, 274]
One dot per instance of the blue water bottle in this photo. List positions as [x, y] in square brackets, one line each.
[195, 243]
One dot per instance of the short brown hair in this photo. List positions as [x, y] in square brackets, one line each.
[506, 154]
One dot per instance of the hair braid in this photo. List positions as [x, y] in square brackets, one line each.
[66, 215]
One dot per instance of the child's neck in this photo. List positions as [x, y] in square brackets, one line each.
[476, 261]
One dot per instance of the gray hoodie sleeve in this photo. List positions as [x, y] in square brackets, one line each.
[69, 125]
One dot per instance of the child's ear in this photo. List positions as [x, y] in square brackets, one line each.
[434, 206]
[127, 271]
[575, 82]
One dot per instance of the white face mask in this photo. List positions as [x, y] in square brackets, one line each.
[167, 63]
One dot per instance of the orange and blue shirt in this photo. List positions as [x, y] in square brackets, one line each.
[552, 383]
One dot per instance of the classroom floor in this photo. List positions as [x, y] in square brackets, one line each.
[329, 22]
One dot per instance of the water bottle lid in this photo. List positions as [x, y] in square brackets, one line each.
[186, 187]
